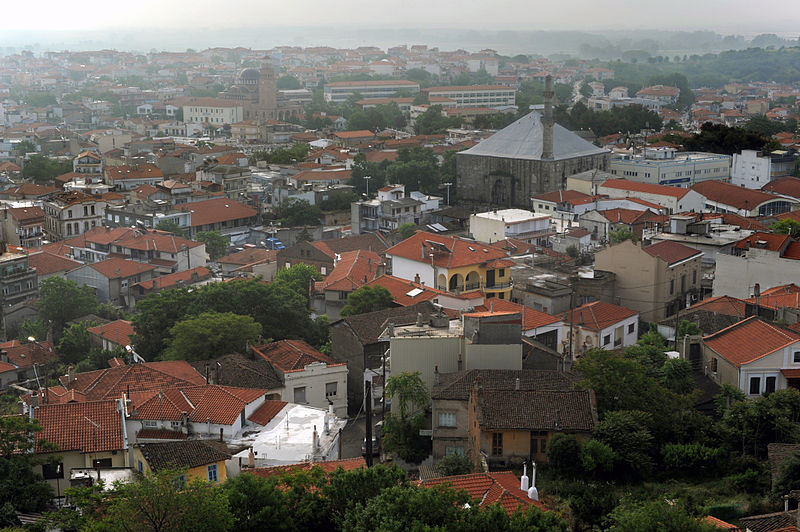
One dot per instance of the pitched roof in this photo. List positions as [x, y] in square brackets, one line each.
[88, 427]
[209, 402]
[725, 305]
[156, 241]
[328, 466]
[458, 385]
[160, 434]
[267, 412]
[46, 263]
[648, 188]
[719, 523]
[216, 210]
[729, 194]
[112, 382]
[179, 454]
[175, 279]
[27, 354]
[774, 522]
[531, 318]
[598, 315]
[523, 139]
[785, 186]
[354, 269]
[235, 369]
[249, 256]
[768, 241]
[625, 216]
[142, 171]
[445, 251]
[118, 331]
[749, 340]
[368, 326]
[500, 487]
[116, 268]
[291, 355]
[402, 290]
[368, 241]
[26, 214]
[571, 410]
[671, 252]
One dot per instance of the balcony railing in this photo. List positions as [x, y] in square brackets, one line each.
[498, 286]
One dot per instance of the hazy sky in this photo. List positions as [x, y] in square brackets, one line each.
[743, 17]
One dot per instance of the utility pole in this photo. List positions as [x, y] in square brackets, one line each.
[571, 320]
[368, 432]
[677, 322]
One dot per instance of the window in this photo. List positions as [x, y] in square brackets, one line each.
[447, 419]
[51, 471]
[672, 286]
[755, 385]
[323, 270]
[212, 473]
[497, 444]
[330, 389]
[683, 283]
[694, 277]
[714, 365]
[101, 462]
[150, 424]
[454, 451]
[69, 214]
[631, 328]
[300, 394]
[769, 385]
[796, 357]
[501, 272]
[606, 339]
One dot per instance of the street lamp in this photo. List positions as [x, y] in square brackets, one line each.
[366, 182]
[448, 185]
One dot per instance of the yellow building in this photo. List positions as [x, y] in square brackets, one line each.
[202, 459]
[451, 264]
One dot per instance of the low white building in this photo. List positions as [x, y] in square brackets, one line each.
[601, 324]
[754, 169]
[666, 166]
[494, 226]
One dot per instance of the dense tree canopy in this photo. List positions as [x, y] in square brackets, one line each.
[43, 169]
[294, 212]
[211, 334]
[216, 244]
[632, 118]
[61, 300]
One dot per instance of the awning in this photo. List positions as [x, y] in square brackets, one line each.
[791, 373]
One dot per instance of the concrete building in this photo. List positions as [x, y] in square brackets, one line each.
[674, 199]
[666, 166]
[726, 197]
[18, 280]
[494, 226]
[340, 91]
[72, 213]
[23, 226]
[754, 169]
[111, 279]
[600, 325]
[467, 96]
[765, 259]
[387, 212]
[213, 111]
[654, 280]
[529, 157]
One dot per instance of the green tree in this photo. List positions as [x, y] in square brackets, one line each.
[42, 169]
[344, 490]
[61, 300]
[298, 278]
[210, 335]
[787, 227]
[621, 234]
[627, 433]
[20, 489]
[258, 503]
[788, 476]
[407, 230]
[433, 122]
[407, 390]
[656, 515]
[25, 147]
[563, 455]
[368, 298]
[75, 343]
[401, 429]
[171, 226]
[216, 244]
[455, 465]
[157, 502]
[294, 212]
[287, 82]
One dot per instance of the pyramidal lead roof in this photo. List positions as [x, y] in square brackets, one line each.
[523, 140]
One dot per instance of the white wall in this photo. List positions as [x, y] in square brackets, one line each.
[749, 170]
[406, 269]
[314, 377]
[736, 276]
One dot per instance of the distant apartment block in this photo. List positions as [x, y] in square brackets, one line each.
[475, 95]
[754, 169]
[666, 166]
[215, 111]
[340, 91]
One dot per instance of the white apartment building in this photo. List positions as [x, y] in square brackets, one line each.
[666, 166]
[340, 91]
[215, 111]
[753, 169]
[475, 95]
[494, 226]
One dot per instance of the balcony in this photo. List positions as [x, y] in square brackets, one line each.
[499, 286]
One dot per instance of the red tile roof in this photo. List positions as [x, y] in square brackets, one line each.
[88, 427]
[113, 382]
[27, 354]
[117, 268]
[27, 214]
[353, 270]
[216, 210]
[625, 216]
[174, 279]
[363, 133]
[220, 404]
[785, 186]
[142, 171]
[749, 340]
[598, 315]
[119, 332]
[729, 194]
[400, 289]
[249, 256]
[661, 190]
[446, 251]
[725, 305]
[266, 412]
[156, 241]
[160, 434]
[501, 487]
[329, 466]
[671, 252]
[46, 263]
[531, 318]
[291, 355]
[719, 523]
[768, 241]
[561, 196]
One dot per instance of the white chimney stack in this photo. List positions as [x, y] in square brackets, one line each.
[524, 481]
[533, 493]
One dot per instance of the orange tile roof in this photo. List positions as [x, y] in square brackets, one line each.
[328, 466]
[160, 434]
[445, 251]
[27, 354]
[400, 288]
[266, 412]
[219, 404]
[157, 241]
[88, 427]
[561, 196]
[363, 133]
[46, 263]
[625, 216]
[787, 186]
[598, 315]
[749, 340]
[174, 279]
[489, 488]
[671, 252]
[116, 268]
[771, 241]
[531, 318]
[113, 382]
[291, 355]
[730, 194]
[142, 171]
[27, 214]
[662, 190]
[249, 256]
[719, 523]
[725, 305]
[353, 270]
[118, 331]
[216, 210]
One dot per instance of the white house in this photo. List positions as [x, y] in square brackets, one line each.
[601, 324]
[494, 226]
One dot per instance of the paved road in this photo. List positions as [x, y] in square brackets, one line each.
[353, 437]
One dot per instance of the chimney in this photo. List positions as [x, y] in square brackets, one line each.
[70, 373]
[416, 278]
[220, 434]
[3, 356]
[524, 481]
[757, 296]
[420, 320]
[251, 458]
[547, 119]
[314, 441]
[436, 375]
[533, 493]
[516, 384]
[460, 363]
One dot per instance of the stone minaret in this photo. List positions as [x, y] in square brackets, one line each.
[547, 119]
[267, 92]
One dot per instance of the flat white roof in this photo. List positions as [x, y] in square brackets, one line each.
[511, 215]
